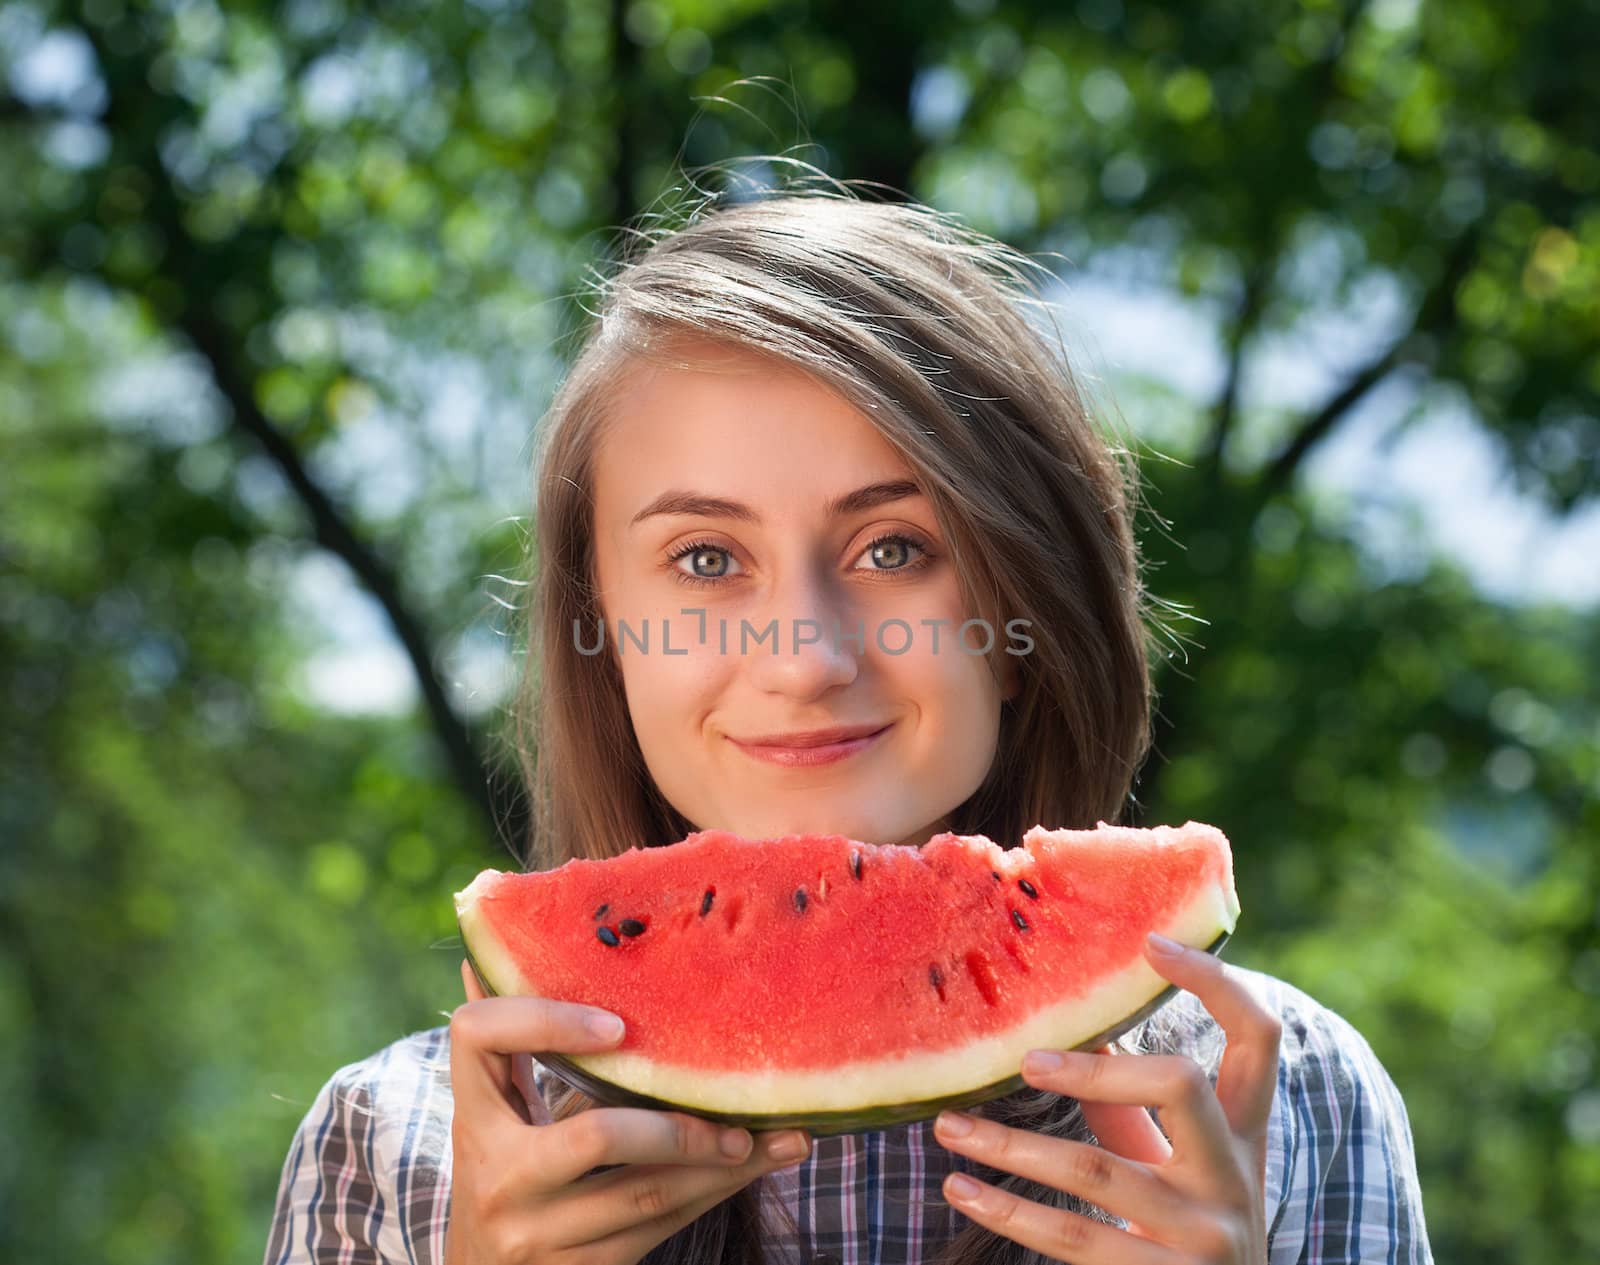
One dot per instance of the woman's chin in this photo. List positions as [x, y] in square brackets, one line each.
[813, 822]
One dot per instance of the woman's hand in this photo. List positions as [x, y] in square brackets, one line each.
[1200, 1198]
[519, 1191]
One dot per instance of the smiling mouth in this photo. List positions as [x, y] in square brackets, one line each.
[809, 756]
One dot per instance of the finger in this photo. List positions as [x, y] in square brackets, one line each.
[1129, 1131]
[536, 1112]
[1120, 1186]
[1248, 1076]
[606, 1136]
[654, 1198]
[1055, 1234]
[485, 1033]
[1171, 1083]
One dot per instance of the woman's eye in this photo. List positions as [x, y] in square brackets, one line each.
[706, 562]
[893, 552]
[703, 563]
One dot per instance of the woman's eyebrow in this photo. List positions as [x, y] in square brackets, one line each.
[702, 506]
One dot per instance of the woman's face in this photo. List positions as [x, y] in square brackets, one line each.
[732, 588]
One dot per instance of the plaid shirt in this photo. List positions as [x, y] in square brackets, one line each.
[367, 1178]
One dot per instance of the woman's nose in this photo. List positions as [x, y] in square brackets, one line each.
[805, 643]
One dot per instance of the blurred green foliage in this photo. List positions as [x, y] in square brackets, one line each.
[284, 283]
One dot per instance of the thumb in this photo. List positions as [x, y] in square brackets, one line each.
[1126, 1129]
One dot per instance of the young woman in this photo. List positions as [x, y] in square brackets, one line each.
[833, 414]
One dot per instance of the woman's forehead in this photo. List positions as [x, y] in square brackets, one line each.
[780, 435]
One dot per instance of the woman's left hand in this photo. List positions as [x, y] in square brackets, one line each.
[1200, 1198]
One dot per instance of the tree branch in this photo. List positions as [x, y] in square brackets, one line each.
[192, 268]
[12, 107]
[333, 532]
[1250, 308]
[630, 88]
[1321, 86]
[1435, 317]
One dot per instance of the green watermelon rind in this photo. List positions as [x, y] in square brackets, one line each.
[828, 1123]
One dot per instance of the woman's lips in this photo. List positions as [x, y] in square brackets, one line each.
[806, 757]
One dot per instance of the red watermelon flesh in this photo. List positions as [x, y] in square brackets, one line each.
[814, 979]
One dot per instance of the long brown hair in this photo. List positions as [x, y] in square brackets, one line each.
[922, 322]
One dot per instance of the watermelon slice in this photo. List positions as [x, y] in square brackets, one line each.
[819, 982]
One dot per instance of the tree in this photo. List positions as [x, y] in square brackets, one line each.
[310, 219]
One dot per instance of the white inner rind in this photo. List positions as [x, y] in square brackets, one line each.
[869, 1083]
[491, 954]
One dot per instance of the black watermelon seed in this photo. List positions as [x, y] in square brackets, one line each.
[608, 936]
[1016, 917]
[935, 977]
[631, 927]
[1028, 887]
[996, 874]
[855, 864]
[705, 902]
[800, 899]
[601, 912]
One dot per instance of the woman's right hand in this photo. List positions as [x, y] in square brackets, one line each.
[519, 1193]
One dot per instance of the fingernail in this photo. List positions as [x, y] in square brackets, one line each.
[606, 1027]
[1038, 1062]
[1165, 947]
[953, 1124]
[735, 1144]
[786, 1146]
[962, 1186]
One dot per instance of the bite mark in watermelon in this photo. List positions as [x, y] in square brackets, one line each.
[819, 982]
